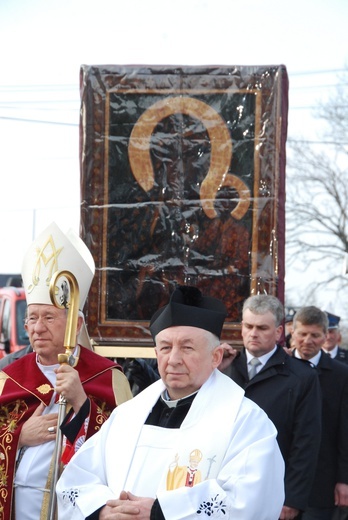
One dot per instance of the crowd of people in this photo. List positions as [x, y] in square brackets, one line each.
[304, 392]
[257, 433]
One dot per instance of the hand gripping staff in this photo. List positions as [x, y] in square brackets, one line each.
[70, 301]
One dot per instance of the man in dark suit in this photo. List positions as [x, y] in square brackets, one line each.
[333, 339]
[330, 486]
[286, 388]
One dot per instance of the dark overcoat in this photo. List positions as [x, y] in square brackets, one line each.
[287, 389]
[342, 355]
[332, 464]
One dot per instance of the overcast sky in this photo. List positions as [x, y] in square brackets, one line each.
[44, 42]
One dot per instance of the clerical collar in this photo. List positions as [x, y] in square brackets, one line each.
[171, 403]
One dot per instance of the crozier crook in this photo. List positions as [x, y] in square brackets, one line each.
[69, 300]
[221, 151]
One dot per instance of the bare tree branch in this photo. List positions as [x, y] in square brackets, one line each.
[317, 197]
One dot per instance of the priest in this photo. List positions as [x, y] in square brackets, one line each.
[188, 446]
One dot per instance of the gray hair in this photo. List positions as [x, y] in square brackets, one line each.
[262, 303]
[213, 340]
[311, 316]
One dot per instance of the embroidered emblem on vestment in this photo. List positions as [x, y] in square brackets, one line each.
[102, 412]
[70, 496]
[10, 415]
[44, 389]
[212, 507]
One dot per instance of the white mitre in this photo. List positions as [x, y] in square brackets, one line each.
[54, 251]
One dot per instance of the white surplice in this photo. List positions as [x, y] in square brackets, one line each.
[241, 470]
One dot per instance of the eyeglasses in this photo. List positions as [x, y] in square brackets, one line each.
[47, 321]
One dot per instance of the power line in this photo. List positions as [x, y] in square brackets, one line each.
[311, 72]
[43, 208]
[316, 107]
[10, 88]
[38, 121]
[40, 87]
[35, 102]
[335, 143]
[33, 105]
[311, 87]
[306, 141]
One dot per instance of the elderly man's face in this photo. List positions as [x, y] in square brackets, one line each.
[185, 359]
[45, 325]
[333, 338]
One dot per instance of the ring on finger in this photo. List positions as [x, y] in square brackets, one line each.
[51, 429]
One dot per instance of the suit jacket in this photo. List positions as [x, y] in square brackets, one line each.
[288, 391]
[332, 464]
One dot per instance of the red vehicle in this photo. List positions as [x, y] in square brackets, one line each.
[13, 335]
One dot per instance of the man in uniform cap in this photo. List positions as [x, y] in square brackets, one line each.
[192, 410]
[333, 339]
[30, 387]
[332, 348]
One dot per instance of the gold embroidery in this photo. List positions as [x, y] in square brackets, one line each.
[48, 254]
[10, 415]
[101, 416]
[102, 413]
[44, 389]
